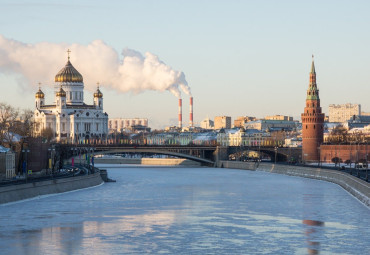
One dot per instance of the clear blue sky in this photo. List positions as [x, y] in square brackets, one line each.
[239, 57]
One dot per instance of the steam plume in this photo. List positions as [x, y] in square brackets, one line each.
[131, 72]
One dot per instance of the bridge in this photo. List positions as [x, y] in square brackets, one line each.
[278, 154]
[196, 154]
[206, 155]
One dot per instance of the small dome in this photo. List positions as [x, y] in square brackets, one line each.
[98, 93]
[40, 94]
[68, 74]
[61, 93]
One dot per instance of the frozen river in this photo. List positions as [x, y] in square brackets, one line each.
[153, 210]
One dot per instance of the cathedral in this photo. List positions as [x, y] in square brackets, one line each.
[69, 118]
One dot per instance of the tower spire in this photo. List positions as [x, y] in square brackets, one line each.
[313, 66]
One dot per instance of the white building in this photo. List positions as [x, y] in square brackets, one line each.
[121, 124]
[343, 112]
[207, 123]
[69, 117]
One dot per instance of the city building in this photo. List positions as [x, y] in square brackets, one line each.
[343, 112]
[357, 122]
[240, 121]
[121, 124]
[312, 121]
[69, 118]
[222, 122]
[7, 163]
[207, 123]
[272, 125]
[249, 137]
[279, 117]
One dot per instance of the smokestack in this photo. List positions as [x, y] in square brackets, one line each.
[191, 112]
[180, 113]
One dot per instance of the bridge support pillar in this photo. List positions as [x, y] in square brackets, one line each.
[221, 153]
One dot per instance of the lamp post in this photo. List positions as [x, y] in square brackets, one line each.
[275, 149]
[25, 162]
[51, 159]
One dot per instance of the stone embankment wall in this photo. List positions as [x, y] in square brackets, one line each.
[357, 187]
[147, 161]
[33, 189]
[237, 165]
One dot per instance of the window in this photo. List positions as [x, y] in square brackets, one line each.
[63, 127]
[97, 126]
[70, 95]
[87, 127]
[314, 126]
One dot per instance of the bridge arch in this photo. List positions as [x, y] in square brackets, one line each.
[203, 161]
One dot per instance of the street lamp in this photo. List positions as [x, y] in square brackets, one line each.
[51, 159]
[25, 163]
[275, 149]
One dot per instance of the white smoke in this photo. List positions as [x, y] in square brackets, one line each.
[97, 62]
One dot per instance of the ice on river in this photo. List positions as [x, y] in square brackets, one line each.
[167, 210]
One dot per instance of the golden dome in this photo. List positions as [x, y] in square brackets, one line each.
[98, 93]
[40, 94]
[68, 74]
[61, 93]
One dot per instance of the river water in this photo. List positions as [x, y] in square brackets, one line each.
[164, 210]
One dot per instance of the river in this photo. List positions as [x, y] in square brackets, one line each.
[169, 210]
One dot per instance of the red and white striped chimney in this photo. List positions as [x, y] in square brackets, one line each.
[180, 113]
[191, 112]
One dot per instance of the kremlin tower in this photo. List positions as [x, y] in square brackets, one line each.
[312, 121]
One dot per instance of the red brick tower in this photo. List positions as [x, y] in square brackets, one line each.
[312, 121]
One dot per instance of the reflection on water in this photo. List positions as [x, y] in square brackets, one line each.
[189, 211]
[313, 230]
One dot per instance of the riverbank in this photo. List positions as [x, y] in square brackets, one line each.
[14, 193]
[250, 165]
[355, 186]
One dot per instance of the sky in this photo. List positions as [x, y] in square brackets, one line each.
[239, 58]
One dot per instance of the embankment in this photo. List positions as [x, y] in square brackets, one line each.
[237, 165]
[33, 189]
[148, 161]
[357, 187]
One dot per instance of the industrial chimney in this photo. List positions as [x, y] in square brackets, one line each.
[191, 112]
[180, 113]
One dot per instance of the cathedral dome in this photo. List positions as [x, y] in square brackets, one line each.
[61, 93]
[68, 74]
[98, 93]
[40, 94]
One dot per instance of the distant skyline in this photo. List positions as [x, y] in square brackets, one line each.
[239, 57]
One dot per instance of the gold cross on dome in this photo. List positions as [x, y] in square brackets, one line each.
[68, 51]
[98, 84]
[39, 85]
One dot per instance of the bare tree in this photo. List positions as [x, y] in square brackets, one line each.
[14, 123]
[47, 133]
[8, 118]
[339, 134]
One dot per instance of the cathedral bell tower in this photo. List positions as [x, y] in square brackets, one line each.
[312, 121]
[39, 98]
[98, 98]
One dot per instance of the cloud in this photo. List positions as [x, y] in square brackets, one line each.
[97, 62]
